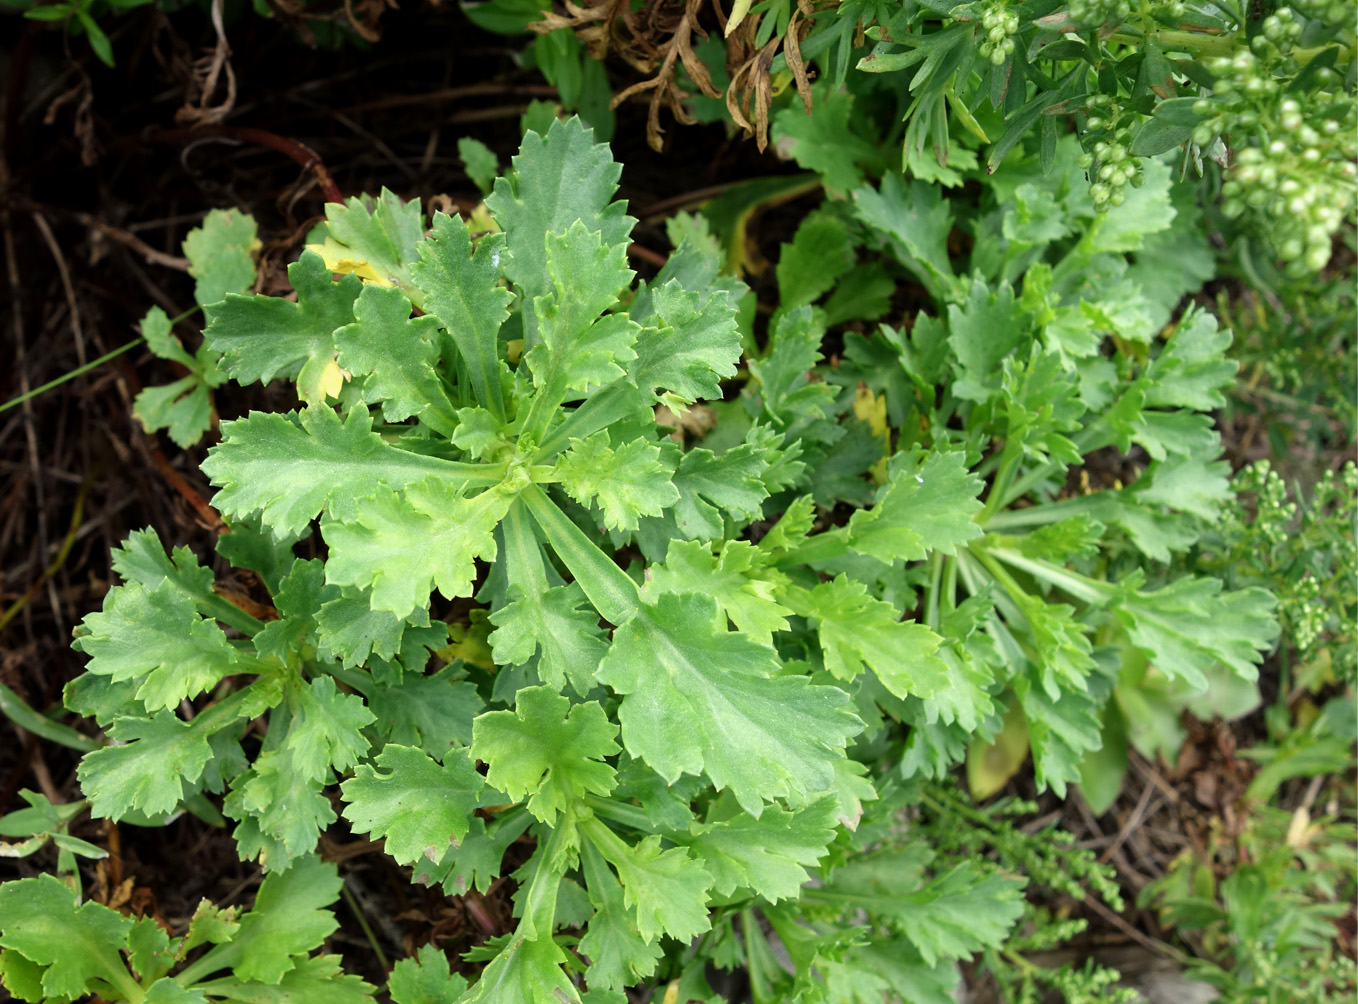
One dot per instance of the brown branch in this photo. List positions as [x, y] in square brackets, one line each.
[298, 151]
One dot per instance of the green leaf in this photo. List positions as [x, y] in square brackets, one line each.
[40, 921]
[960, 912]
[769, 855]
[525, 972]
[709, 484]
[394, 356]
[425, 978]
[546, 749]
[695, 344]
[819, 254]
[859, 632]
[1147, 210]
[666, 888]
[156, 636]
[460, 288]
[480, 163]
[699, 698]
[619, 957]
[1192, 370]
[290, 467]
[288, 919]
[554, 182]
[984, 329]
[158, 759]
[402, 546]
[924, 507]
[1190, 626]
[281, 811]
[1103, 771]
[317, 980]
[373, 239]
[419, 806]
[916, 222]
[326, 729]
[261, 337]
[183, 407]
[735, 577]
[221, 255]
[625, 484]
[577, 348]
[431, 712]
[558, 623]
[784, 374]
[823, 142]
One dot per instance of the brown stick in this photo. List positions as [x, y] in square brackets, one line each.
[298, 151]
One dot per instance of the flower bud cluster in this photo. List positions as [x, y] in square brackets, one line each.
[1108, 160]
[1096, 13]
[1294, 153]
[999, 26]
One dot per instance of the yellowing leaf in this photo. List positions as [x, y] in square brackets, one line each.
[337, 259]
[872, 409]
[991, 765]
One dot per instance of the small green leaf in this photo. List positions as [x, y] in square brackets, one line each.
[419, 806]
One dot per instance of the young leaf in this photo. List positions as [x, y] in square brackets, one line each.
[924, 506]
[619, 957]
[667, 889]
[626, 483]
[746, 591]
[373, 239]
[402, 546]
[699, 698]
[558, 623]
[546, 749]
[394, 356]
[696, 343]
[221, 255]
[535, 200]
[326, 729]
[425, 978]
[420, 807]
[460, 289]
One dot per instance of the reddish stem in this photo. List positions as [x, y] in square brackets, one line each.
[300, 152]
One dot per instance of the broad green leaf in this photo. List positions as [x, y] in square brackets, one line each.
[619, 957]
[1147, 210]
[221, 255]
[289, 919]
[820, 252]
[625, 484]
[709, 484]
[1191, 484]
[960, 912]
[871, 972]
[261, 337]
[525, 972]
[924, 507]
[374, 239]
[40, 920]
[431, 712]
[460, 288]
[1061, 732]
[695, 344]
[860, 632]
[159, 759]
[418, 805]
[559, 623]
[555, 181]
[394, 355]
[402, 546]
[546, 749]
[699, 698]
[348, 630]
[290, 467]
[156, 636]
[1104, 770]
[1190, 626]
[184, 407]
[769, 855]
[425, 978]
[475, 863]
[326, 729]
[735, 578]
[480, 163]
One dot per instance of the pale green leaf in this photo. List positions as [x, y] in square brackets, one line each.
[418, 805]
[625, 484]
[221, 255]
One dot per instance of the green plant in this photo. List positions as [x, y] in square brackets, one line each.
[1266, 92]
[687, 675]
